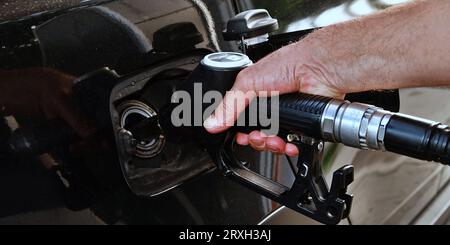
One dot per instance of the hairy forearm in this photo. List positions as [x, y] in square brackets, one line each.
[405, 46]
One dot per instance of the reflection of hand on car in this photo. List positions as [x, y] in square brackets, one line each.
[41, 94]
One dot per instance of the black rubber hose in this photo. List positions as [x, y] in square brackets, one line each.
[302, 113]
[298, 113]
[418, 138]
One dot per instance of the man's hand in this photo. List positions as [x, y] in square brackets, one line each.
[404, 46]
[290, 69]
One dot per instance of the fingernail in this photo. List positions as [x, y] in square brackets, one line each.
[210, 123]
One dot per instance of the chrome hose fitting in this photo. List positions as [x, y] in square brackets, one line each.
[355, 124]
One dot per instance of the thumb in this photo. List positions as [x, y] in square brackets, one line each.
[234, 102]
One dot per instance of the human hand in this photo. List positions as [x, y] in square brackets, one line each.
[290, 69]
[377, 51]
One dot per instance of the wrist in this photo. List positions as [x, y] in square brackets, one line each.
[354, 56]
[381, 52]
[316, 68]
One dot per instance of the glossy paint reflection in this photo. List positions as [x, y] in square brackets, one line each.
[209, 199]
[304, 14]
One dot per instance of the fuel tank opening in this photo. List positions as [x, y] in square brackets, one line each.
[141, 121]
